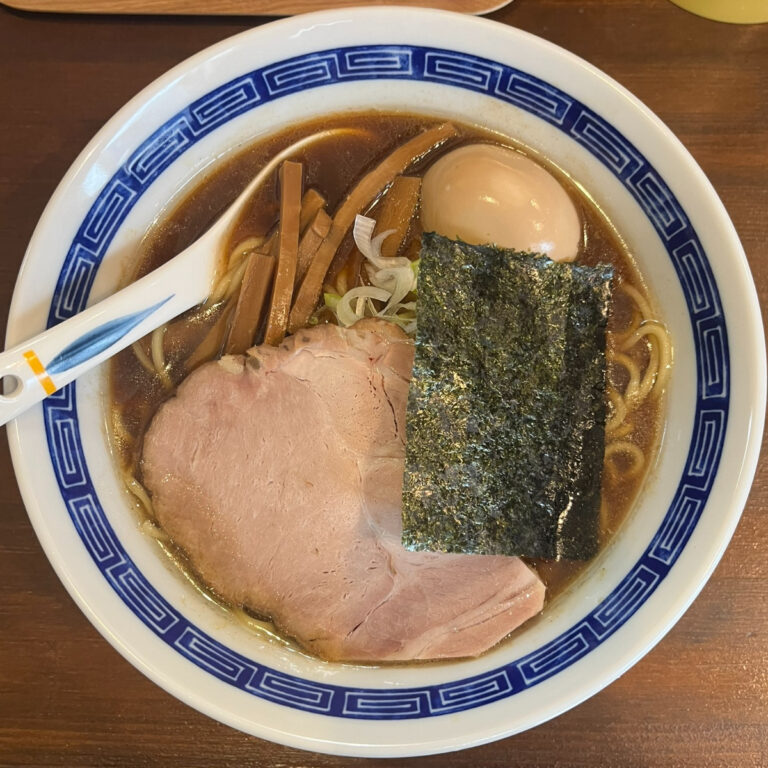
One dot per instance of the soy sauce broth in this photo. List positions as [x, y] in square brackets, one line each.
[332, 166]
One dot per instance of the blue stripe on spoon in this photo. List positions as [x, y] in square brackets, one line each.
[90, 344]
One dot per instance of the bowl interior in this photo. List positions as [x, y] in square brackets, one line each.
[644, 181]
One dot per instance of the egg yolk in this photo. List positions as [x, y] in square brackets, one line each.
[483, 193]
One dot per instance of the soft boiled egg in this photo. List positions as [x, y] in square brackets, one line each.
[484, 193]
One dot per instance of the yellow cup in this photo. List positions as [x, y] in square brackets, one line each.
[733, 11]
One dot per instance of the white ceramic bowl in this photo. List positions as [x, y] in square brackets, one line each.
[472, 70]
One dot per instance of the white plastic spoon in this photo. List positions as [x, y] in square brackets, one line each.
[49, 361]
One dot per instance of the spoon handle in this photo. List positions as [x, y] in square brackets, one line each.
[31, 371]
[47, 362]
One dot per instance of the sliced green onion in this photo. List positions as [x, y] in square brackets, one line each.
[415, 269]
[348, 316]
[392, 280]
[331, 300]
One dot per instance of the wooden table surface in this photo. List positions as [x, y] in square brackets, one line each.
[700, 698]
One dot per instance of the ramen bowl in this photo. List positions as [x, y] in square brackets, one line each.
[663, 207]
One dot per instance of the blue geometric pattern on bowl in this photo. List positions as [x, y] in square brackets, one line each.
[509, 85]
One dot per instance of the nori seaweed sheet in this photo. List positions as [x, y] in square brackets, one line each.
[506, 407]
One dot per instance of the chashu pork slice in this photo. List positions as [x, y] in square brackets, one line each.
[279, 473]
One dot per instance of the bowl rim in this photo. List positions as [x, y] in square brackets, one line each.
[674, 609]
